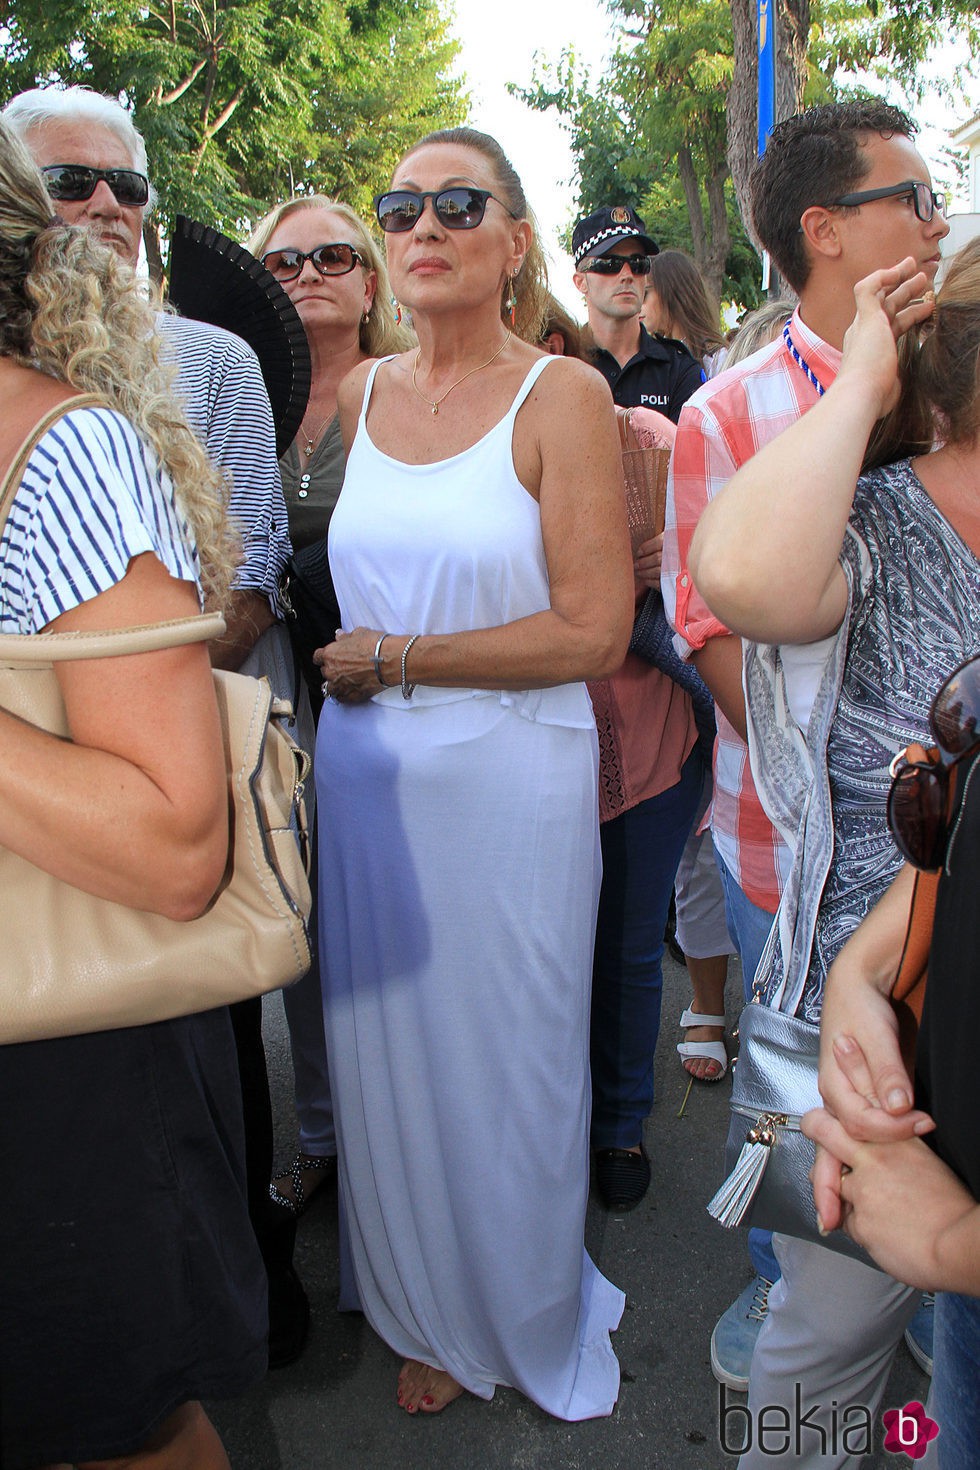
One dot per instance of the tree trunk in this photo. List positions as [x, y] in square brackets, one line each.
[792, 33]
[713, 265]
[692, 198]
[154, 255]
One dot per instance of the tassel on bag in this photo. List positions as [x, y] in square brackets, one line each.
[731, 1201]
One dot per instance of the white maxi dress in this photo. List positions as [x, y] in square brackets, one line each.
[459, 878]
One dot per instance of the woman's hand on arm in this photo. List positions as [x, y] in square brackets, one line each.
[862, 1077]
[765, 553]
[907, 1209]
[134, 808]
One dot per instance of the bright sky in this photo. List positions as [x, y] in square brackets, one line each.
[499, 39]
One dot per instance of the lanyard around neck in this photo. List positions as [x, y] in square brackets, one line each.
[801, 362]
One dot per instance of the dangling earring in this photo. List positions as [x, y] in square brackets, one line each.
[398, 313]
[367, 314]
[512, 299]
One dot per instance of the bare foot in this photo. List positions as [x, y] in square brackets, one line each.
[705, 1069]
[423, 1388]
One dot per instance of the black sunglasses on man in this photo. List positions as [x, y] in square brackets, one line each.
[75, 182]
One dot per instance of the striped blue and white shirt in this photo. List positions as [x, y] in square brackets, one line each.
[220, 385]
[92, 497]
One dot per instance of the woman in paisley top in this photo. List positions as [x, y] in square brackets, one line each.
[859, 596]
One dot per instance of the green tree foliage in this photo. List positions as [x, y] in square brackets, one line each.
[674, 117]
[653, 134]
[391, 87]
[243, 102]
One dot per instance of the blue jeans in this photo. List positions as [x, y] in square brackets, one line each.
[955, 1401]
[640, 853]
[749, 926]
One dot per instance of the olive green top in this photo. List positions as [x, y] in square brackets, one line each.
[311, 486]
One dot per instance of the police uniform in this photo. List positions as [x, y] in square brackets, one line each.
[661, 374]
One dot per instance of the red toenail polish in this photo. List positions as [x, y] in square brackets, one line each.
[428, 1399]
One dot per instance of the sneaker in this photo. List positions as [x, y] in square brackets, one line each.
[736, 1333]
[918, 1334]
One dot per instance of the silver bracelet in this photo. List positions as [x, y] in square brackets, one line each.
[407, 689]
[376, 660]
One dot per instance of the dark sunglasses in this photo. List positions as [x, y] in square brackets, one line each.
[460, 208]
[925, 201]
[921, 796]
[612, 265]
[73, 182]
[329, 260]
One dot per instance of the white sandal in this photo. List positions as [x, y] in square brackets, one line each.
[709, 1051]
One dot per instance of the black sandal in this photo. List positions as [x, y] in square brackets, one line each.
[326, 1163]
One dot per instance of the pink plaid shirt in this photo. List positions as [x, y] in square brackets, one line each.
[720, 427]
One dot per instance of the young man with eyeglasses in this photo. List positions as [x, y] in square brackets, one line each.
[94, 163]
[612, 262]
[839, 193]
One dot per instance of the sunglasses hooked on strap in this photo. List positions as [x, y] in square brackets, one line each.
[73, 183]
[920, 800]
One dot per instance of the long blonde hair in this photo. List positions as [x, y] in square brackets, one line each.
[382, 333]
[71, 309]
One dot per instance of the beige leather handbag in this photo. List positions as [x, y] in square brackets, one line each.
[70, 962]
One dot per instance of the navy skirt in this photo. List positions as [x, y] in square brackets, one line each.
[130, 1281]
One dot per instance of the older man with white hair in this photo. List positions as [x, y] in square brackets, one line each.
[94, 164]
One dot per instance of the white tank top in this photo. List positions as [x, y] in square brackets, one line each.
[446, 548]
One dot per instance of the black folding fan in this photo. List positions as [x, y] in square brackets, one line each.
[214, 280]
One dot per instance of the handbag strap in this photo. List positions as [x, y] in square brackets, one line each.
[17, 466]
[38, 650]
[918, 937]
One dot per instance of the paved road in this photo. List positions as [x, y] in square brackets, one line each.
[335, 1409]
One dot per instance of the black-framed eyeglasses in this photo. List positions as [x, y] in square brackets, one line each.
[72, 183]
[921, 795]
[338, 259]
[612, 265]
[459, 208]
[925, 201]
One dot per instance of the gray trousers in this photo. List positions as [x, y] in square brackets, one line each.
[824, 1352]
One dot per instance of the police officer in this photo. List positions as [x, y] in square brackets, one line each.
[612, 261]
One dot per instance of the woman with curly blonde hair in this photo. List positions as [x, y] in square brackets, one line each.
[132, 1283]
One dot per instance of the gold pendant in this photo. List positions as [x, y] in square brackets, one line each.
[435, 409]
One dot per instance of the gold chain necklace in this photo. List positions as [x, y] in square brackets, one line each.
[479, 368]
[310, 444]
